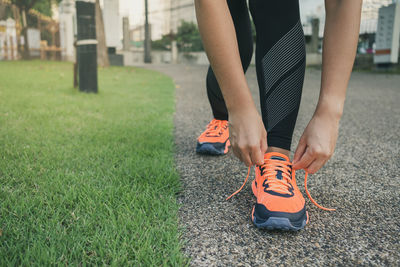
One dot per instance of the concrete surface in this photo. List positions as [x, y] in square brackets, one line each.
[361, 181]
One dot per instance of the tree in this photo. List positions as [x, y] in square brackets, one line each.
[188, 37]
[164, 43]
[102, 56]
[44, 7]
[2, 11]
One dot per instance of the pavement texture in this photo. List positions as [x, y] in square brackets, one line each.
[361, 180]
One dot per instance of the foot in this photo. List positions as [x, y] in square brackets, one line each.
[280, 204]
[214, 140]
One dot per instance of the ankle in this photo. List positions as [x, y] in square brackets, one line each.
[279, 150]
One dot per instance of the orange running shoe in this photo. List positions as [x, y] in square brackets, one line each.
[215, 139]
[280, 204]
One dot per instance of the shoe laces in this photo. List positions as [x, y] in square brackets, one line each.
[269, 171]
[216, 128]
[271, 168]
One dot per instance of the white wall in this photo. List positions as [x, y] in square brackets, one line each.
[67, 29]
[112, 23]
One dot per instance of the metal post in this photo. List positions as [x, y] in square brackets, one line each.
[86, 46]
[174, 51]
[125, 33]
[147, 37]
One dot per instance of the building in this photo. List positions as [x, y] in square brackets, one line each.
[165, 16]
[369, 15]
[316, 9]
[387, 35]
[181, 10]
[137, 35]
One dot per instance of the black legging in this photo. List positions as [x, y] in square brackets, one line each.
[280, 64]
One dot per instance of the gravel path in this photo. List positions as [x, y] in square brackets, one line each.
[361, 181]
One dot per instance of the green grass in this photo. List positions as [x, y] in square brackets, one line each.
[87, 179]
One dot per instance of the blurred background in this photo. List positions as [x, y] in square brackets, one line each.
[99, 179]
[133, 32]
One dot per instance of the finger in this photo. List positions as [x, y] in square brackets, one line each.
[305, 160]
[236, 152]
[315, 165]
[301, 148]
[242, 155]
[246, 158]
[257, 157]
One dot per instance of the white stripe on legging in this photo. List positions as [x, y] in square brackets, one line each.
[285, 54]
[285, 98]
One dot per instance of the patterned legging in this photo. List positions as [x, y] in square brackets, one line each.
[280, 63]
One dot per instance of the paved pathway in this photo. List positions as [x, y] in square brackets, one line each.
[361, 180]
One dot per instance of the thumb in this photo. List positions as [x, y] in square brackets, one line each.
[257, 157]
[264, 145]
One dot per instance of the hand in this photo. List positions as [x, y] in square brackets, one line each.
[317, 143]
[248, 136]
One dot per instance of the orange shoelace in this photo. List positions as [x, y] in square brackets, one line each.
[216, 127]
[279, 185]
[270, 171]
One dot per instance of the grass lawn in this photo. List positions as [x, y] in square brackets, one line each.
[87, 179]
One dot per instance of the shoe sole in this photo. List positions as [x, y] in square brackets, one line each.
[212, 148]
[276, 223]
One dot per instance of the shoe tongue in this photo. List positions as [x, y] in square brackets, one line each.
[278, 173]
[277, 157]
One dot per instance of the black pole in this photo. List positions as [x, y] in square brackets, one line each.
[147, 38]
[86, 46]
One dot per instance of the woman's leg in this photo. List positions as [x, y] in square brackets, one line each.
[280, 64]
[241, 21]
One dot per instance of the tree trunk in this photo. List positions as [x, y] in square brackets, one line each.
[102, 56]
[25, 55]
[17, 18]
[2, 11]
